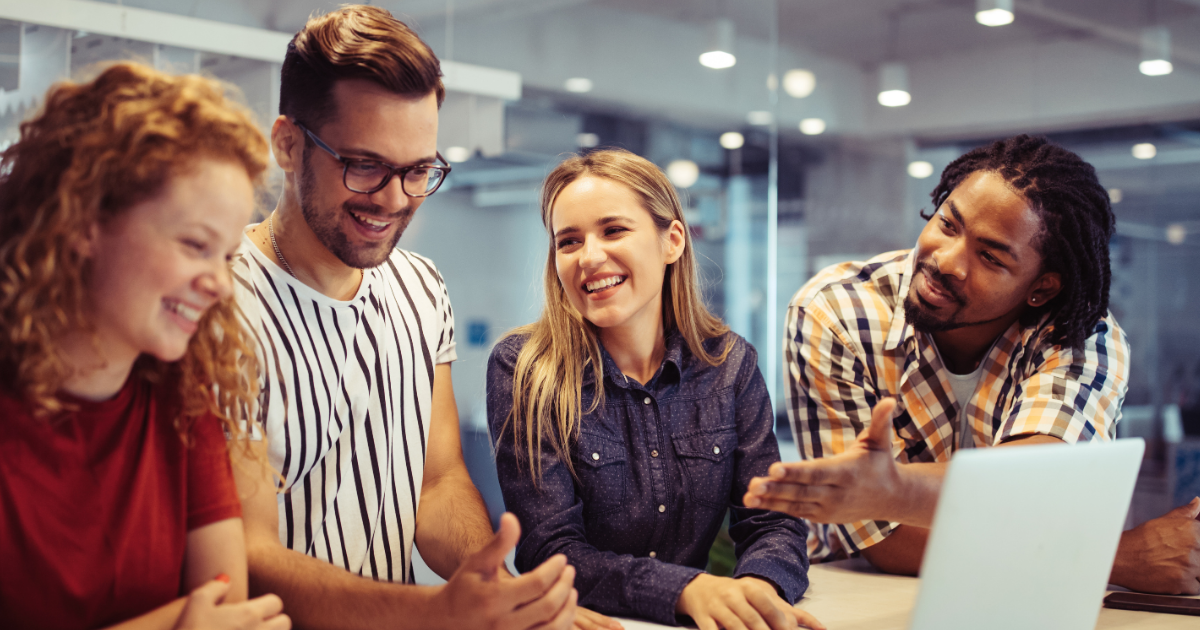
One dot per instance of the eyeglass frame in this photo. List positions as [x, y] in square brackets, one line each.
[393, 171]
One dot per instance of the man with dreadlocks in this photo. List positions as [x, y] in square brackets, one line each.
[993, 331]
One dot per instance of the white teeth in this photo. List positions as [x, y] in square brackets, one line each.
[592, 287]
[371, 222]
[184, 311]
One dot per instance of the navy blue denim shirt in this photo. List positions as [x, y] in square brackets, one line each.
[657, 466]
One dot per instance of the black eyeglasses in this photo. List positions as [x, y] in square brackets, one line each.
[369, 176]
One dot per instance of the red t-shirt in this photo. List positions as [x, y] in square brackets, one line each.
[95, 507]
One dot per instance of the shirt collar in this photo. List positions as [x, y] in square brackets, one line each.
[900, 331]
[672, 364]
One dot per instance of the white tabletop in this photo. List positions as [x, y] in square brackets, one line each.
[851, 595]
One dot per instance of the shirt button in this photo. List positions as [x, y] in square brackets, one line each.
[662, 508]
[653, 555]
[716, 450]
[647, 400]
[595, 456]
[653, 453]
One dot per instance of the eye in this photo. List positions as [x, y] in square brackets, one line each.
[195, 245]
[991, 260]
[364, 167]
[566, 242]
[614, 229]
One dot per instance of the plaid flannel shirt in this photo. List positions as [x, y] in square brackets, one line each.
[848, 345]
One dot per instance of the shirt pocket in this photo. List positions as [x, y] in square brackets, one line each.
[601, 463]
[706, 459]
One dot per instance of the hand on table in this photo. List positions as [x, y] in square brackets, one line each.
[861, 483]
[746, 603]
[481, 594]
[1162, 555]
[204, 611]
[590, 620]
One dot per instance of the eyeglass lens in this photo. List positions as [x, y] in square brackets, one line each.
[367, 176]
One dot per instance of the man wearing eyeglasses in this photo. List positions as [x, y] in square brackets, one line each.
[354, 343]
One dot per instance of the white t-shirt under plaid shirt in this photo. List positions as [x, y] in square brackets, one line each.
[345, 396]
[847, 345]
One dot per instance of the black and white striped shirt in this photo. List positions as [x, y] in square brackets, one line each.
[345, 396]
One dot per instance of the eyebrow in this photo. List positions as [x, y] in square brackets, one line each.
[366, 154]
[990, 242]
[603, 221]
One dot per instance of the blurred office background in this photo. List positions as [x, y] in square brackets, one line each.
[801, 133]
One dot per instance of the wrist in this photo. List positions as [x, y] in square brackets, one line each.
[683, 604]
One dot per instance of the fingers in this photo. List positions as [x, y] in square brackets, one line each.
[265, 606]
[545, 610]
[728, 619]
[1192, 509]
[806, 620]
[879, 434]
[792, 492]
[768, 611]
[278, 622]
[490, 558]
[531, 586]
[829, 471]
[210, 593]
[591, 620]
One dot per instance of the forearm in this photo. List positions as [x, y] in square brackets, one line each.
[161, 618]
[914, 498]
[452, 522]
[319, 595]
[901, 552]
[771, 546]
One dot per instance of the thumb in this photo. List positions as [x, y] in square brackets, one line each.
[210, 593]
[878, 436]
[490, 558]
[1190, 510]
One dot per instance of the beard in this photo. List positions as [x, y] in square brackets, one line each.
[922, 315]
[324, 225]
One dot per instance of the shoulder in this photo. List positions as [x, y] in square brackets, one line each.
[841, 285]
[505, 352]
[403, 261]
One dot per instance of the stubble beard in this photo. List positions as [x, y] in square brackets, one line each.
[325, 225]
[921, 315]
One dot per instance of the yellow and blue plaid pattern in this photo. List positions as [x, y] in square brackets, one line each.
[847, 345]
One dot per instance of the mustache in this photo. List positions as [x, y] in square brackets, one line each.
[941, 279]
[374, 211]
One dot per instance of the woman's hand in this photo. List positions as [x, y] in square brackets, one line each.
[590, 620]
[204, 611]
[746, 603]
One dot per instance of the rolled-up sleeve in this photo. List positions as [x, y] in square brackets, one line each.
[769, 545]
[552, 522]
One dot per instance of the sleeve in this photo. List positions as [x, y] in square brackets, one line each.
[551, 516]
[769, 545]
[211, 492]
[829, 402]
[446, 351]
[1072, 394]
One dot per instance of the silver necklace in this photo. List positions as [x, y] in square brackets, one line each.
[278, 254]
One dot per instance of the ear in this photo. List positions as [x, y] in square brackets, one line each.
[1044, 289]
[287, 143]
[675, 239]
[85, 244]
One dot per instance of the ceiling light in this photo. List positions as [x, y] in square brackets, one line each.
[1115, 195]
[457, 154]
[732, 140]
[812, 126]
[1156, 52]
[920, 169]
[683, 173]
[1144, 151]
[799, 83]
[578, 85]
[994, 12]
[1176, 233]
[759, 118]
[893, 85]
[587, 140]
[719, 53]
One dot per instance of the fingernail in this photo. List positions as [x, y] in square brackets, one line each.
[752, 502]
[223, 578]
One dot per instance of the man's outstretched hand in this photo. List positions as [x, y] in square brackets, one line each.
[862, 483]
[1162, 555]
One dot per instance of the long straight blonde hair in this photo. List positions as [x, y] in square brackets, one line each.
[548, 379]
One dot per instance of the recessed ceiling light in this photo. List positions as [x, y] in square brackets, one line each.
[994, 12]
[578, 85]
[587, 140]
[799, 83]
[920, 169]
[1144, 151]
[760, 118]
[457, 154]
[812, 126]
[683, 173]
[893, 85]
[732, 140]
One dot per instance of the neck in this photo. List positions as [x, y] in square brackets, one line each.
[310, 261]
[637, 350]
[963, 349]
[96, 372]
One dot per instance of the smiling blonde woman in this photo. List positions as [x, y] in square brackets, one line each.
[628, 419]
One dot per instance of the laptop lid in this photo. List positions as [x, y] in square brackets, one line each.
[1025, 537]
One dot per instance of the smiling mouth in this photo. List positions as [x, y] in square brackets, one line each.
[374, 225]
[600, 285]
[183, 310]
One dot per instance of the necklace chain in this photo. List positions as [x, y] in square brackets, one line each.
[278, 254]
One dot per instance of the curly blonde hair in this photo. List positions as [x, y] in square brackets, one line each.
[94, 150]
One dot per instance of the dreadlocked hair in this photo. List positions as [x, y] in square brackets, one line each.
[1077, 224]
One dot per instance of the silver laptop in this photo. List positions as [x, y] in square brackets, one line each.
[1025, 537]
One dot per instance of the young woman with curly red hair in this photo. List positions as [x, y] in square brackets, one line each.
[122, 367]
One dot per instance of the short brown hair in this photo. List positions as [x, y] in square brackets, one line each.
[354, 42]
[93, 151]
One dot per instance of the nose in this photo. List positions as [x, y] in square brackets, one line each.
[218, 283]
[392, 197]
[951, 260]
[592, 255]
